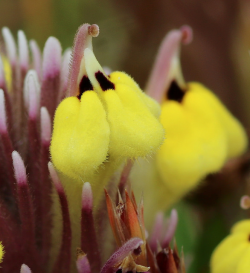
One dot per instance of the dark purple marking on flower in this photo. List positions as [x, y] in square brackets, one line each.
[85, 85]
[120, 254]
[249, 237]
[175, 92]
[119, 270]
[104, 82]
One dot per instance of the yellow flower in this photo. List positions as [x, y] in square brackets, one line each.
[104, 117]
[232, 255]
[201, 134]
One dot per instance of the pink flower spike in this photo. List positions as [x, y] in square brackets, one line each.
[3, 122]
[83, 40]
[157, 232]
[51, 58]
[54, 177]
[36, 58]
[10, 45]
[89, 242]
[26, 208]
[167, 63]
[62, 264]
[25, 269]
[64, 74]
[87, 197]
[32, 93]
[171, 228]
[45, 126]
[19, 168]
[51, 69]
[120, 254]
[82, 263]
[23, 50]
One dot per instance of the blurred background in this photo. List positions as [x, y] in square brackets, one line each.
[130, 34]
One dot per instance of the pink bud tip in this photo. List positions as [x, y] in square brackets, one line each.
[10, 45]
[36, 56]
[157, 231]
[51, 58]
[25, 269]
[32, 93]
[82, 263]
[3, 123]
[171, 228]
[45, 125]
[87, 196]
[54, 177]
[19, 168]
[23, 50]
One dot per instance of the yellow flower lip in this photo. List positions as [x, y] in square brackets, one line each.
[232, 254]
